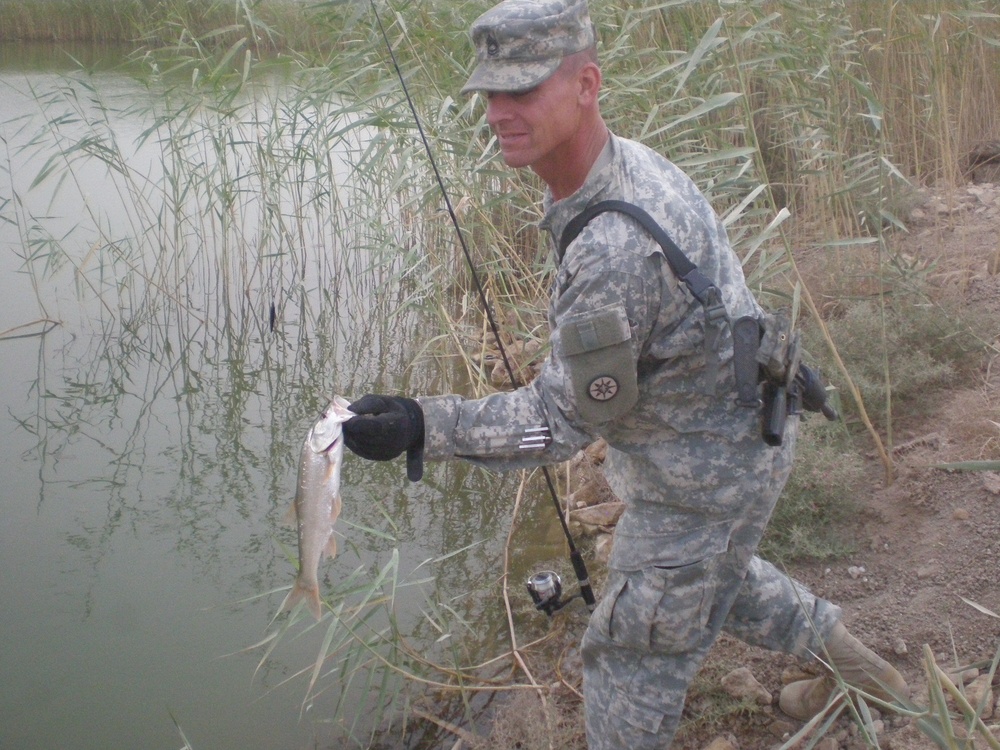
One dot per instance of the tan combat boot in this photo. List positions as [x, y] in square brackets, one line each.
[856, 664]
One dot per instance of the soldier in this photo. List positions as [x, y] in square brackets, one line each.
[635, 360]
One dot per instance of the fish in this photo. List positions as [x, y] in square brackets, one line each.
[317, 502]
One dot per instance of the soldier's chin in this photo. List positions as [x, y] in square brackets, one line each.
[515, 157]
[514, 160]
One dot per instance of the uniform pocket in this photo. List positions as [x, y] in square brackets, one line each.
[682, 615]
[597, 347]
[662, 610]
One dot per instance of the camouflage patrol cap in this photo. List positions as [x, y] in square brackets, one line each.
[520, 43]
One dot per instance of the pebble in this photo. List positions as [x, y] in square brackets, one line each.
[876, 728]
[602, 514]
[927, 571]
[991, 479]
[742, 685]
[602, 548]
[980, 693]
[964, 677]
[727, 742]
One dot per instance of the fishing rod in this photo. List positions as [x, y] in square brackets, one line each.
[545, 587]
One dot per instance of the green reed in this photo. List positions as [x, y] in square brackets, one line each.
[270, 25]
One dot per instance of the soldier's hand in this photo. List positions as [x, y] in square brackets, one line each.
[386, 427]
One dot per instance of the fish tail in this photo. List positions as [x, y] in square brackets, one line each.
[302, 590]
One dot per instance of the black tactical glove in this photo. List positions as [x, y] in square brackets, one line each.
[385, 427]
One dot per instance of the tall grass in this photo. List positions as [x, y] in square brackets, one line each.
[797, 119]
[271, 25]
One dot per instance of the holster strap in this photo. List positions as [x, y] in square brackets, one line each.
[746, 342]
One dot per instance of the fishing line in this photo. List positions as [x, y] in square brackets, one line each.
[579, 567]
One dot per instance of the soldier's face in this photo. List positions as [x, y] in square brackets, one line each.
[535, 128]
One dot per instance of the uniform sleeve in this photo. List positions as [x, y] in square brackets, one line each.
[604, 304]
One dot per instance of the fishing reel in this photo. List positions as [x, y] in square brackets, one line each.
[545, 588]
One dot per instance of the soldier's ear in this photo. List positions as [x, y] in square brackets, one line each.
[589, 78]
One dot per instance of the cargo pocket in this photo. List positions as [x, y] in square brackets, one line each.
[660, 610]
[682, 614]
[597, 347]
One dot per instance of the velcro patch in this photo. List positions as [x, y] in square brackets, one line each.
[597, 347]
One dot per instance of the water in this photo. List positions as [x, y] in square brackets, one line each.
[150, 436]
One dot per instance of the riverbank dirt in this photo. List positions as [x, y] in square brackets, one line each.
[923, 577]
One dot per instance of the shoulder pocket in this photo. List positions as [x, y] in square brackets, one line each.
[597, 347]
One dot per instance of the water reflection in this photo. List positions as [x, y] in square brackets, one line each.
[151, 437]
[66, 56]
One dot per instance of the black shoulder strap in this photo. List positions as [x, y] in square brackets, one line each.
[702, 289]
[699, 285]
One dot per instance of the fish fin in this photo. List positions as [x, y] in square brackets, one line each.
[331, 546]
[302, 591]
[291, 517]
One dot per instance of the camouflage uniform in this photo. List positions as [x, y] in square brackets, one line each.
[698, 481]
[629, 362]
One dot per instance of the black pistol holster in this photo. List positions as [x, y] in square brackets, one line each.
[770, 374]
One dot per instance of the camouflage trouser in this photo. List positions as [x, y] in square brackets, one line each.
[653, 627]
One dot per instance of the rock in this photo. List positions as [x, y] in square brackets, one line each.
[597, 451]
[530, 351]
[593, 491]
[991, 479]
[522, 355]
[726, 742]
[928, 571]
[781, 728]
[861, 739]
[602, 514]
[899, 647]
[602, 548]
[960, 514]
[742, 685]
[498, 375]
[828, 743]
[980, 693]
[963, 677]
[984, 154]
[856, 571]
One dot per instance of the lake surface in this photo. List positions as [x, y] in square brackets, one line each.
[152, 416]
